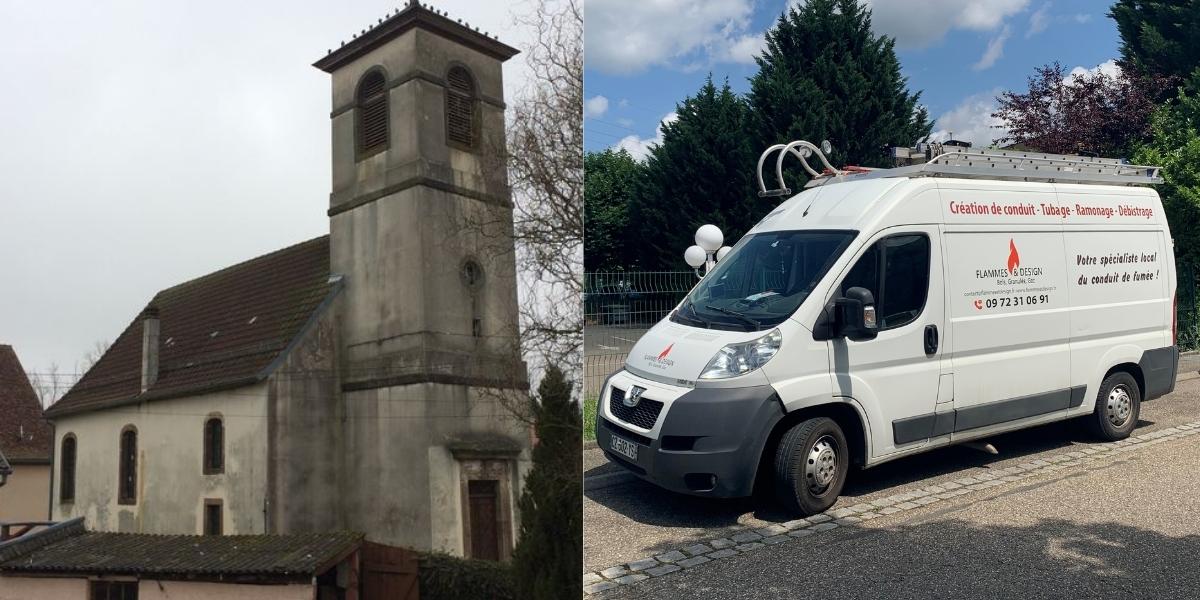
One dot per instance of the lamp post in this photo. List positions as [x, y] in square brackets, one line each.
[707, 251]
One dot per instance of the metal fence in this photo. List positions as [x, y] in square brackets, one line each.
[1187, 315]
[618, 307]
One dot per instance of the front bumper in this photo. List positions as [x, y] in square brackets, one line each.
[708, 442]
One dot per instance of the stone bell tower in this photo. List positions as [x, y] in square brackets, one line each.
[421, 230]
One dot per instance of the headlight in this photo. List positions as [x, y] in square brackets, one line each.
[739, 359]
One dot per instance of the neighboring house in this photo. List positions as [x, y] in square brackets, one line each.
[67, 562]
[26, 440]
[355, 381]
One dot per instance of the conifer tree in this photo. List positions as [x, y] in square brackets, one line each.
[1158, 39]
[702, 172]
[825, 76]
[609, 180]
[548, 560]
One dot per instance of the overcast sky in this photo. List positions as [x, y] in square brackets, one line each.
[145, 143]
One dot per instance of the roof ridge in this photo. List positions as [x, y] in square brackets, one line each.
[234, 266]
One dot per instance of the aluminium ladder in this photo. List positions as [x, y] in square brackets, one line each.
[963, 162]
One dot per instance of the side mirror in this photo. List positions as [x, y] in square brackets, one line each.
[855, 317]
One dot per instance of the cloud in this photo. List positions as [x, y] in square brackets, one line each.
[744, 49]
[995, 49]
[629, 36]
[639, 147]
[1108, 67]
[971, 120]
[1039, 21]
[595, 107]
[1042, 19]
[923, 23]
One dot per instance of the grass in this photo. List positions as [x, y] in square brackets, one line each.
[589, 419]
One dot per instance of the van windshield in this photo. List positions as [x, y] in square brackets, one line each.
[763, 280]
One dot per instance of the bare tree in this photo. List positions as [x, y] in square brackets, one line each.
[49, 385]
[546, 170]
[91, 357]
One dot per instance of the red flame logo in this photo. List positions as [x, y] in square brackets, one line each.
[666, 352]
[1014, 259]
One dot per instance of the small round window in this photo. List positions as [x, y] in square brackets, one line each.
[471, 273]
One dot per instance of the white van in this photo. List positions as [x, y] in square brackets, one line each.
[884, 313]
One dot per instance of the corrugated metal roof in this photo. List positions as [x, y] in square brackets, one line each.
[289, 555]
[217, 332]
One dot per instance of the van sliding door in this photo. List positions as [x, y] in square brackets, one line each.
[1009, 314]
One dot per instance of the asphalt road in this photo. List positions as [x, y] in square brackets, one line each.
[1124, 529]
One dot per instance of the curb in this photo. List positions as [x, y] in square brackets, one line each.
[749, 539]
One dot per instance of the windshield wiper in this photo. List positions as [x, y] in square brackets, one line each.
[696, 316]
[734, 313]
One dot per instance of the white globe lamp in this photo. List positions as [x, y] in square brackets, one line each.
[709, 238]
[722, 252]
[695, 256]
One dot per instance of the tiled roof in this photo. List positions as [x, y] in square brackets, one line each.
[287, 555]
[221, 331]
[24, 435]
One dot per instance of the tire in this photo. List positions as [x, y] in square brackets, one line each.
[1118, 404]
[804, 490]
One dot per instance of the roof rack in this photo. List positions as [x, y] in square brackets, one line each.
[944, 160]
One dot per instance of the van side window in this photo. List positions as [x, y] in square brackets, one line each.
[896, 271]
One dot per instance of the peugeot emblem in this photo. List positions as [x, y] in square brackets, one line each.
[633, 397]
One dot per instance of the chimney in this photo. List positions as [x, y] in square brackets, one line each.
[149, 347]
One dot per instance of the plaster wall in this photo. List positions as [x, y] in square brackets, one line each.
[25, 588]
[171, 482]
[26, 496]
[403, 484]
[62, 588]
[304, 475]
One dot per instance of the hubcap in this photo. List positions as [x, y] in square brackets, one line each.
[1120, 406]
[821, 465]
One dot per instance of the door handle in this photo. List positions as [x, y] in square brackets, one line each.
[931, 340]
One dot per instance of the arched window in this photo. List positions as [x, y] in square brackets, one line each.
[66, 469]
[214, 446]
[127, 483]
[372, 114]
[460, 107]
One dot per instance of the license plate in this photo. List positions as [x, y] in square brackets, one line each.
[625, 448]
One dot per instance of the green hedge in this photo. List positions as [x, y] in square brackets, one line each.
[445, 577]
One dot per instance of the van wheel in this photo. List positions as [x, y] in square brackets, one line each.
[1117, 407]
[811, 462]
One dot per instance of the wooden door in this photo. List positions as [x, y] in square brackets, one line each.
[484, 510]
[388, 573]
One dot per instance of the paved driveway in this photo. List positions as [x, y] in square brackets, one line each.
[1108, 520]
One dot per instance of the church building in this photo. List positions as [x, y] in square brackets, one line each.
[358, 381]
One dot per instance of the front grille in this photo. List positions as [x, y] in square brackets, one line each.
[644, 415]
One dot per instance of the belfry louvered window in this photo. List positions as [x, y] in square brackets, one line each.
[372, 111]
[460, 107]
